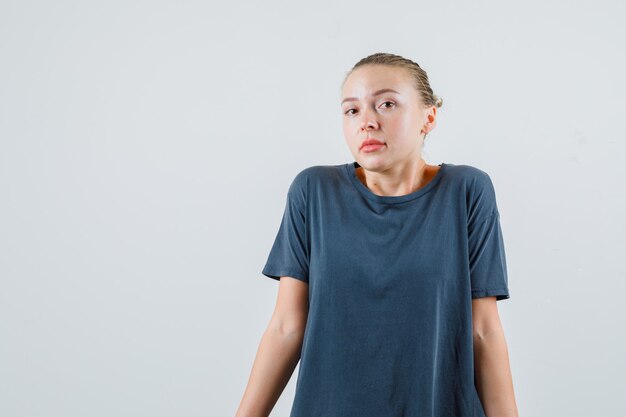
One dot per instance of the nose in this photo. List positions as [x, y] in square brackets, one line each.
[368, 121]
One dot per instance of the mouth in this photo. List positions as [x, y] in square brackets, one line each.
[371, 142]
[372, 148]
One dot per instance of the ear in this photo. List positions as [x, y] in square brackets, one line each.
[430, 115]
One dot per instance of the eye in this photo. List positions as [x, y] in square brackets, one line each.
[347, 112]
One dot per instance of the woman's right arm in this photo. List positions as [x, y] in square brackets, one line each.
[279, 350]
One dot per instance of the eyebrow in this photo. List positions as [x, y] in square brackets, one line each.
[384, 90]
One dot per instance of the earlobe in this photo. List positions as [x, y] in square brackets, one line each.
[430, 126]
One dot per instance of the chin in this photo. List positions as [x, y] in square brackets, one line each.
[372, 164]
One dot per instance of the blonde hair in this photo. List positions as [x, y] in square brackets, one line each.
[420, 78]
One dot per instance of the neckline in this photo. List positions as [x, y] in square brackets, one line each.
[388, 199]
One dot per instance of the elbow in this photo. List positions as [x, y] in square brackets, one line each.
[287, 328]
[481, 336]
[292, 331]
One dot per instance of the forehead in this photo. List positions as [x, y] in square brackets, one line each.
[366, 80]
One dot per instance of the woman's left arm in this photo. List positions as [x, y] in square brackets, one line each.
[494, 382]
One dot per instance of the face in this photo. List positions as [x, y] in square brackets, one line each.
[396, 118]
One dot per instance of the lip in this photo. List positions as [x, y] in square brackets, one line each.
[371, 141]
[371, 148]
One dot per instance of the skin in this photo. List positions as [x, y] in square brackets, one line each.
[396, 169]
[400, 120]
[279, 350]
[492, 370]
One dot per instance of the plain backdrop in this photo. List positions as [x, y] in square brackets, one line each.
[146, 148]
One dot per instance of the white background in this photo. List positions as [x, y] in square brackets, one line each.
[145, 153]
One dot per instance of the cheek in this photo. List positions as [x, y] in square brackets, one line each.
[348, 136]
[346, 130]
[407, 123]
[350, 130]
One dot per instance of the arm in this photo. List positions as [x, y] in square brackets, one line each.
[494, 382]
[279, 350]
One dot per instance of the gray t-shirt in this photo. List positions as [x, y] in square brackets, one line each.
[391, 281]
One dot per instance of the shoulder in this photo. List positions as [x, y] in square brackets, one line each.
[313, 176]
[476, 186]
[469, 175]
[311, 181]
[473, 181]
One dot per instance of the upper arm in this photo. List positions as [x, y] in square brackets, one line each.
[292, 305]
[487, 256]
[485, 317]
[289, 255]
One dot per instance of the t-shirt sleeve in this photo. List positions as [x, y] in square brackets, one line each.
[289, 255]
[487, 257]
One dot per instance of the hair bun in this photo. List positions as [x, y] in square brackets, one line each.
[438, 100]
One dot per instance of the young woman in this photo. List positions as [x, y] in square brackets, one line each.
[389, 271]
